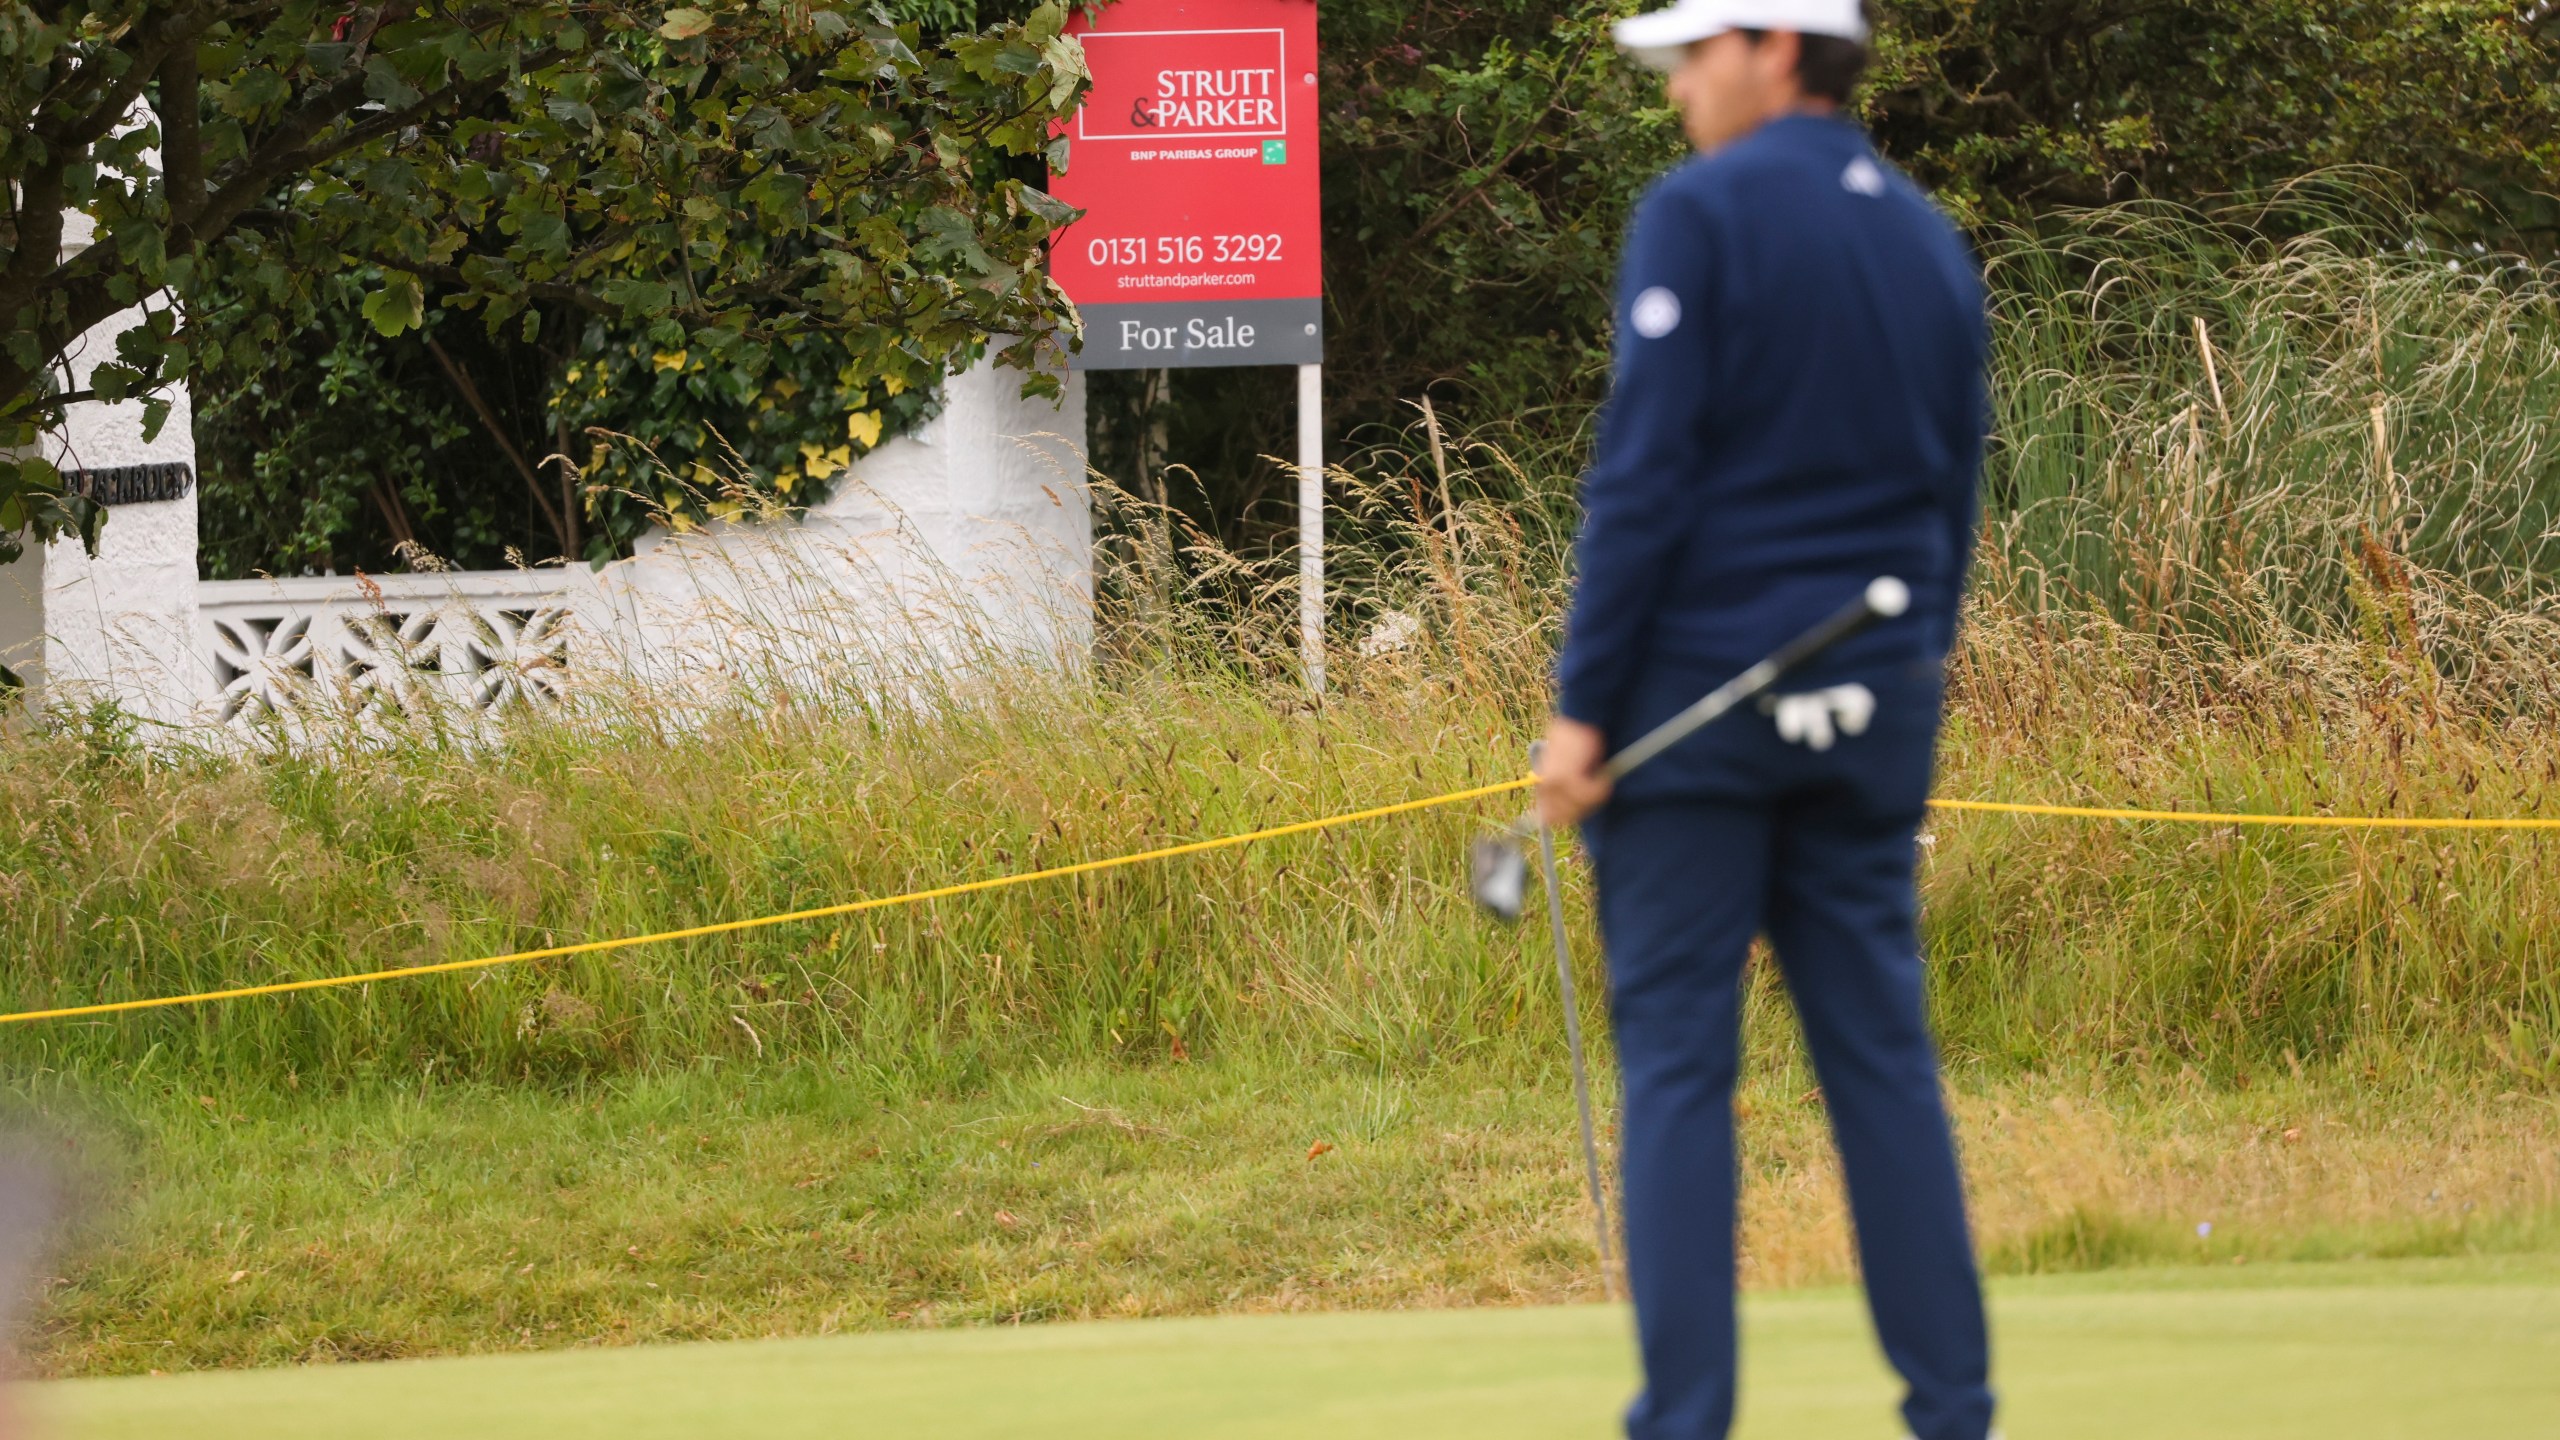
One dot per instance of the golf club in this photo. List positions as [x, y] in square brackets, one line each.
[1499, 871]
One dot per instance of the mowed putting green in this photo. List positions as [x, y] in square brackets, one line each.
[2336, 1352]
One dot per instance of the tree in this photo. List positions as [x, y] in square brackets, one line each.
[1480, 159]
[731, 186]
[2010, 108]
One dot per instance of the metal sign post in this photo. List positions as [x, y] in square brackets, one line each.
[1311, 524]
[1194, 160]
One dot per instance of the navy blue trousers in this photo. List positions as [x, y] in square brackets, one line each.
[1741, 835]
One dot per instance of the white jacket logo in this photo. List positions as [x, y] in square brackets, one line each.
[1655, 314]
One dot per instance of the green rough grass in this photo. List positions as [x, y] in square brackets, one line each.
[2371, 1351]
[2059, 942]
[245, 1227]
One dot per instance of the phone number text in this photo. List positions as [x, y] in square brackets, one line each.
[1105, 251]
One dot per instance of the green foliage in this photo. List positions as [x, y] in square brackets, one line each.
[2011, 107]
[336, 446]
[1480, 162]
[729, 184]
[676, 433]
[1479, 166]
[32, 497]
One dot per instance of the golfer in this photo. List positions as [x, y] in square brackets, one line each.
[1798, 408]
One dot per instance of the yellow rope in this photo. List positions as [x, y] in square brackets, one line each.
[1196, 847]
[2206, 817]
[727, 927]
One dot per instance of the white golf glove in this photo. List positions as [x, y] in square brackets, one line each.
[1818, 718]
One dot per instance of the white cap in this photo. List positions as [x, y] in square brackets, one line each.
[1660, 38]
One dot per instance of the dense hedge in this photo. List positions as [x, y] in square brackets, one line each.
[1480, 159]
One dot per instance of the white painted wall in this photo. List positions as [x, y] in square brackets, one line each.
[965, 542]
[121, 625]
[966, 539]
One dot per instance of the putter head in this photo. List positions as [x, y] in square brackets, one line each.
[1498, 875]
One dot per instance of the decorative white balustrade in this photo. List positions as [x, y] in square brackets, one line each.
[967, 541]
[340, 646]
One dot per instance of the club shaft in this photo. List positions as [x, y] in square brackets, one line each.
[1581, 1070]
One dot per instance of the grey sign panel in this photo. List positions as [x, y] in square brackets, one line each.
[1177, 334]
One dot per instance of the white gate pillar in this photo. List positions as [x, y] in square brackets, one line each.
[121, 625]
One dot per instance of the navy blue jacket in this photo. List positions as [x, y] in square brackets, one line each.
[1799, 407]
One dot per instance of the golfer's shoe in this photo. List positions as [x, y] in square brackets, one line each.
[1818, 718]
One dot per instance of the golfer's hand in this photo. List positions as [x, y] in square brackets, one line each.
[1571, 783]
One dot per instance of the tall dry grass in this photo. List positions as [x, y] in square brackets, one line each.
[2255, 426]
[2288, 558]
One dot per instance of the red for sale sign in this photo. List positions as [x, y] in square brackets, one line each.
[1194, 159]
